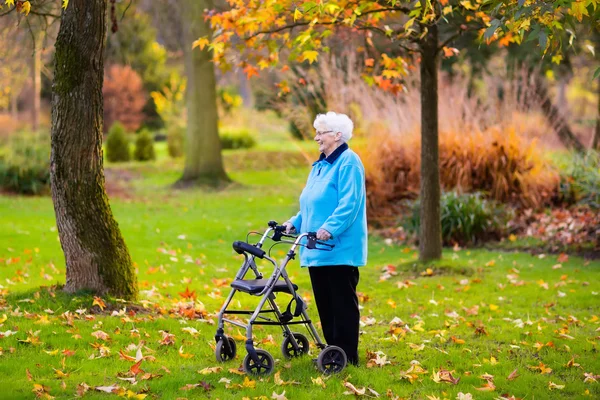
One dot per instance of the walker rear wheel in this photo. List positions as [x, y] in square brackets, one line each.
[221, 351]
[331, 360]
[288, 350]
[264, 366]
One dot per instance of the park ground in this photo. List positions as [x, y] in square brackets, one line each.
[479, 324]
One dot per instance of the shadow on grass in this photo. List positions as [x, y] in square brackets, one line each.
[416, 269]
[54, 298]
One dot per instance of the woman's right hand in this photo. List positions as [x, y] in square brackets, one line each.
[289, 228]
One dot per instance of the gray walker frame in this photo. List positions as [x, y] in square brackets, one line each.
[250, 252]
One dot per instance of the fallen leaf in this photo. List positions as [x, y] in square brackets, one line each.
[552, 386]
[210, 370]
[513, 375]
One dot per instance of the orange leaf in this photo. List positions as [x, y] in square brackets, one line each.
[369, 62]
[135, 368]
[98, 302]
[187, 294]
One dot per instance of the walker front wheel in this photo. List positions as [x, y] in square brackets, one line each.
[288, 350]
[331, 360]
[264, 366]
[222, 353]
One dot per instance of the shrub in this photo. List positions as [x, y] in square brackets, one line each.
[175, 140]
[580, 180]
[466, 218]
[237, 138]
[496, 162]
[117, 144]
[25, 163]
[124, 97]
[144, 147]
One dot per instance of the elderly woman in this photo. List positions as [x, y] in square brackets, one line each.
[333, 205]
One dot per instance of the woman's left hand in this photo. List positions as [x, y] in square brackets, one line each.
[323, 235]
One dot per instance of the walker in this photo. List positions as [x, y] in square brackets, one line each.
[331, 359]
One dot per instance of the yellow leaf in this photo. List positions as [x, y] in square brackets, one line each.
[202, 43]
[210, 370]
[52, 353]
[25, 7]
[493, 307]
[10, 2]
[490, 263]
[318, 381]
[447, 10]
[65, 4]
[249, 383]
[297, 15]
[467, 4]
[552, 385]
[512, 237]
[388, 73]
[98, 302]
[3, 319]
[134, 395]
[184, 355]
[310, 55]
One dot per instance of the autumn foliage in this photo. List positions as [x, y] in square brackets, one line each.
[496, 162]
[124, 97]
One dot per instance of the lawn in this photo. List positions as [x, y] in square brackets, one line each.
[483, 323]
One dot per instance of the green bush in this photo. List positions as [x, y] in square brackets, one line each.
[466, 218]
[144, 147]
[237, 138]
[175, 140]
[25, 163]
[117, 144]
[580, 180]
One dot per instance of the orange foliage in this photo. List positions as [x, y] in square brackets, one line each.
[498, 163]
[124, 97]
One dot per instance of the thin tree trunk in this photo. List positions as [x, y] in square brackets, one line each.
[430, 238]
[96, 255]
[36, 78]
[14, 109]
[596, 139]
[203, 161]
[555, 118]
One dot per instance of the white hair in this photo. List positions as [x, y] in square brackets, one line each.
[335, 122]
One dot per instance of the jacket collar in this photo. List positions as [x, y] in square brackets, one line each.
[336, 153]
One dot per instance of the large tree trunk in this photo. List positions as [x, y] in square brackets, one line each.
[36, 78]
[555, 117]
[95, 252]
[430, 238]
[203, 161]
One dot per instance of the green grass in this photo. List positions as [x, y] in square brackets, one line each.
[183, 239]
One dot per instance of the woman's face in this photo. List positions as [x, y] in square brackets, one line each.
[327, 140]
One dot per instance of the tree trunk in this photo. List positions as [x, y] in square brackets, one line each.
[203, 161]
[596, 138]
[36, 78]
[245, 90]
[430, 238]
[96, 255]
[555, 118]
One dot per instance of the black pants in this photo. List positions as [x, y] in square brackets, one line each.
[335, 294]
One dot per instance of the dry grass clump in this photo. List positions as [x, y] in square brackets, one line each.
[499, 163]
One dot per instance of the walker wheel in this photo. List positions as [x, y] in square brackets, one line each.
[288, 350]
[331, 360]
[221, 351]
[265, 364]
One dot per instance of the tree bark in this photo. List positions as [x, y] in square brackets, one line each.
[555, 118]
[203, 161]
[96, 256]
[596, 138]
[430, 238]
[36, 78]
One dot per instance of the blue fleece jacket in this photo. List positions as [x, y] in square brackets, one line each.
[334, 199]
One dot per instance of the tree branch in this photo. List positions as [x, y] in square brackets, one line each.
[401, 9]
[8, 12]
